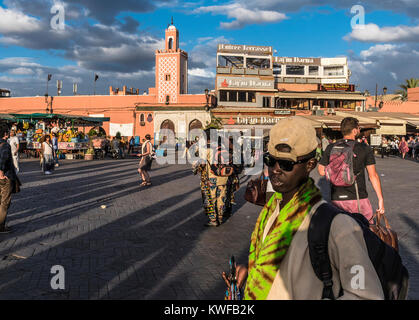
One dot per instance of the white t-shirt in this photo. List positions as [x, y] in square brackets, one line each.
[47, 148]
[14, 143]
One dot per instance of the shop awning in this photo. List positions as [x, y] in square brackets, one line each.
[320, 96]
[414, 124]
[7, 117]
[333, 122]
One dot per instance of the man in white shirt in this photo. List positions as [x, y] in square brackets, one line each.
[14, 144]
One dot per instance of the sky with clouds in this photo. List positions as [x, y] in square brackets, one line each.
[117, 39]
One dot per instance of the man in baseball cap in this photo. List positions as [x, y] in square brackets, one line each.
[279, 265]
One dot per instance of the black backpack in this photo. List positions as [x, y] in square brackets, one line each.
[393, 275]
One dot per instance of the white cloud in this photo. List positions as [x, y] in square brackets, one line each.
[18, 62]
[373, 33]
[242, 15]
[380, 49]
[21, 71]
[203, 73]
[12, 21]
[384, 64]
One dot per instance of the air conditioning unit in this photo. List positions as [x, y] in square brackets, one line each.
[316, 108]
[358, 109]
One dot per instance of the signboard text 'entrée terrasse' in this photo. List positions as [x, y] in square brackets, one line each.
[233, 48]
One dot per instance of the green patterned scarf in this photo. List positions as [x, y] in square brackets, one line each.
[265, 257]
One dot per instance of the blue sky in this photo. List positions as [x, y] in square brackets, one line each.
[117, 39]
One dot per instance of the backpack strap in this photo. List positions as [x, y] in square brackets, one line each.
[318, 238]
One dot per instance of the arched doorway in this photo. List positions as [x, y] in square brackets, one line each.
[195, 124]
[169, 125]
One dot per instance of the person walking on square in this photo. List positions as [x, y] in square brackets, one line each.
[403, 147]
[55, 146]
[410, 144]
[14, 144]
[48, 155]
[131, 145]
[415, 149]
[146, 160]
[353, 198]
[7, 177]
[216, 187]
[384, 147]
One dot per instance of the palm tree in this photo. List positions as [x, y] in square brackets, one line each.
[410, 83]
[215, 123]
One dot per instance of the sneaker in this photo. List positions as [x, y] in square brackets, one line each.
[47, 172]
[211, 224]
[5, 230]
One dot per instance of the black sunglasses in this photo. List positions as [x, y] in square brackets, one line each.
[286, 165]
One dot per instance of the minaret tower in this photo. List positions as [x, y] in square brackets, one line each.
[171, 68]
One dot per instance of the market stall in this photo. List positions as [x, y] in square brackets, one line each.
[72, 143]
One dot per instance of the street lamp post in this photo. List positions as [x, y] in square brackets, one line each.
[49, 104]
[46, 101]
[96, 77]
[48, 79]
[207, 106]
[382, 97]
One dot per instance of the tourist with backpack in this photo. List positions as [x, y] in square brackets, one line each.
[344, 164]
[303, 248]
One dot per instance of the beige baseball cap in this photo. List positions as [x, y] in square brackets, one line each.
[296, 132]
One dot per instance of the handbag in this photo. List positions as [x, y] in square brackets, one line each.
[256, 191]
[223, 167]
[384, 233]
[221, 170]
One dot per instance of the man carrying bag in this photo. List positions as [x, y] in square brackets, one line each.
[9, 182]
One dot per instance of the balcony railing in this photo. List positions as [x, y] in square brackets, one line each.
[249, 71]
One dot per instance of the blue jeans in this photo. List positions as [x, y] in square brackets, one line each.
[55, 156]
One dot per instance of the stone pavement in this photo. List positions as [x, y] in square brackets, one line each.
[148, 243]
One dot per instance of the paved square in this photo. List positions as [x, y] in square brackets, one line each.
[148, 243]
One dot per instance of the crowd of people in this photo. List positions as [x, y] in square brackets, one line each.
[406, 149]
